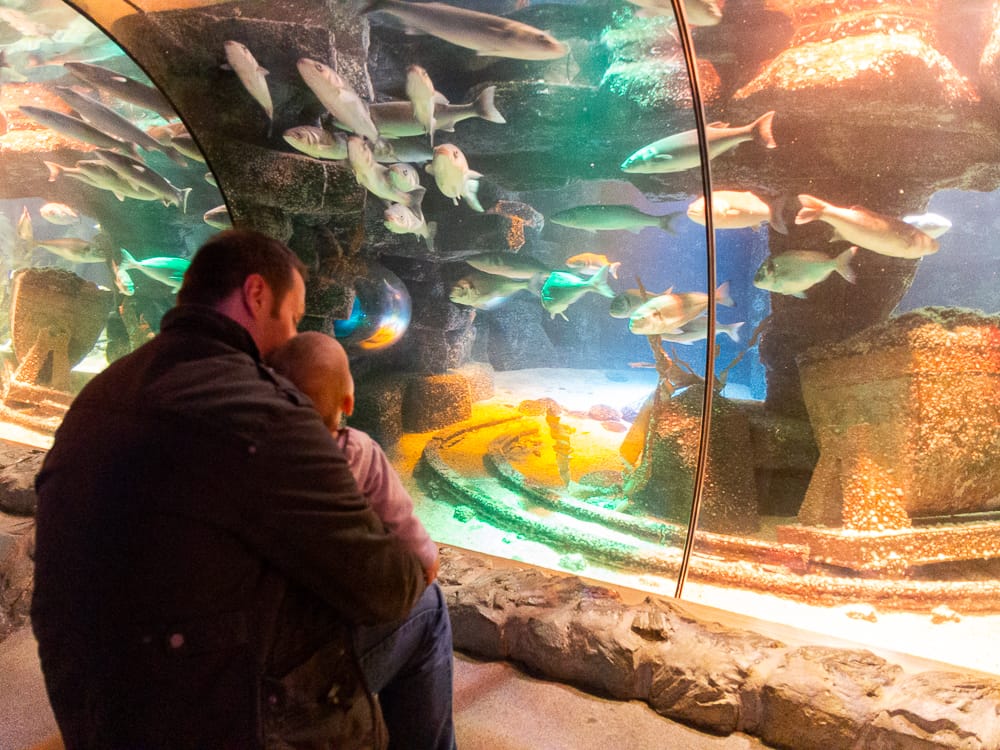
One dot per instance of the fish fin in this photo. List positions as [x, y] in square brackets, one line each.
[119, 196]
[799, 295]
[718, 125]
[471, 194]
[184, 200]
[429, 168]
[439, 98]
[414, 201]
[485, 106]
[722, 295]
[776, 218]
[731, 330]
[667, 221]
[474, 175]
[128, 261]
[762, 129]
[599, 282]
[54, 170]
[812, 209]
[432, 228]
[614, 268]
[843, 266]
[262, 70]
[175, 156]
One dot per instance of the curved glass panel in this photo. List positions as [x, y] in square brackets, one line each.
[103, 197]
[857, 435]
[520, 187]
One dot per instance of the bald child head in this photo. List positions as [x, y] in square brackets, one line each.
[319, 367]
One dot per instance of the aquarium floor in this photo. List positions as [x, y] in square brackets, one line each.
[497, 707]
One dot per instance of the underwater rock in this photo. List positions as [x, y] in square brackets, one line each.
[17, 546]
[662, 485]
[480, 377]
[435, 401]
[378, 406]
[514, 336]
[17, 479]
[907, 417]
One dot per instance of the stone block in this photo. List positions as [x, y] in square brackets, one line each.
[435, 401]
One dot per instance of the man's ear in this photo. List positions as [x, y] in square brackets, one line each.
[348, 405]
[254, 293]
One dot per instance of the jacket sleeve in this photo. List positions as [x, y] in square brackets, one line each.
[309, 519]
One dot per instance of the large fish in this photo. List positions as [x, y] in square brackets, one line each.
[697, 330]
[733, 209]
[167, 270]
[123, 87]
[933, 225]
[374, 177]
[400, 219]
[667, 313]
[484, 290]
[424, 98]
[317, 142]
[251, 75]
[73, 249]
[677, 153]
[59, 214]
[601, 217]
[562, 289]
[590, 263]
[483, 32]
[795, 271]
[511, 265]
[101, 175]
[397, 120]
[142, 176]
[402, 149]
[881, 234]
[338, 97]
[453, 176]
[697, 12]
[76, 128]
[627, 302]
[218, 217]
[106, 119]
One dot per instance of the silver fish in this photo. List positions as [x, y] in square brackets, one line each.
[453, 176]
[251, 75]
[100, 175]
[123, 87]
[400, 219]
[602, 217]
[374, 177]
[142, 176]
[106, 119]
[511, 265]
[677, 153]
[401, 150]
[697, 330]
[667, 313]
[874, 231]
[218, 217]
[483, 32]
[317, 142]
[424, 98]
[562, 289]
[933, 225]
[697, 12]
[397, 120]
[73, 249]
[732, 209]
[59, 214]
[404, 177]
[795, 271]
[338, 97]
[76, 128]
[484, 290]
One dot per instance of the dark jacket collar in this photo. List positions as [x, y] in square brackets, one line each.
[209, 322]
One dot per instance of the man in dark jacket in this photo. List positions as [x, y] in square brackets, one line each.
[204, 557]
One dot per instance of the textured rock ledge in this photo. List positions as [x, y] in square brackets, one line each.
[718, 679]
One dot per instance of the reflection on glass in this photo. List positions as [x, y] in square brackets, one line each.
[103, 200]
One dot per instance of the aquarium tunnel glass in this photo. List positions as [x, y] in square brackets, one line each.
[503, 206]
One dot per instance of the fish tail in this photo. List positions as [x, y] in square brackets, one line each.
[843, 266]
[486, 108]
[184, 199]
[668, 221]
[731, 330]
[812, 209]
[432, 228]
[128, 261]
[175, 156]
[414, 201]
[722, 295]
[54, 170]
[471, 194]
[776, 217]
[614, 268]
[599, 282]
[762, 130]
